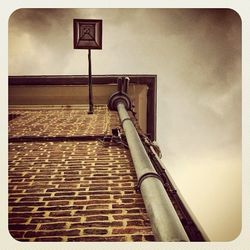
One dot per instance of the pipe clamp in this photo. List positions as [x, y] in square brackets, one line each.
[145, 176]
[128, 118]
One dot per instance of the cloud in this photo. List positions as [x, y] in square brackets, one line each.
[196, 54]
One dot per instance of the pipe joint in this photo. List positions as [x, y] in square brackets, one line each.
[125, 119]
[145, 176]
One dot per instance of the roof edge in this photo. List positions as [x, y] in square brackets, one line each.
[149, 79]
[76, 79]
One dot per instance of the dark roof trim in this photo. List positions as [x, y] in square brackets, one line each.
[150, 80]
[76, 79]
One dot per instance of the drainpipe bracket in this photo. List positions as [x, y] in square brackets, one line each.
[119, 97]
[145, 176]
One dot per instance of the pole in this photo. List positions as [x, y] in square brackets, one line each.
[90, 85]
[165, 223]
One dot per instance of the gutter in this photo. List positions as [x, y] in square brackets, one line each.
[191, 225]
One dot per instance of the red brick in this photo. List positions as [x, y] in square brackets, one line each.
[99, 197]
[97, 238]
[95, 231]
[104, 178]
[72, 178]
[135, 223]
[97, 218]
[92, 202]
[56, 219]
[60, 213]
[26, 215]
[59, 198]
[131, 196]
[97, 207]
[22, 209]
[17, 220]
[60, 208]
[22, 227]
[131, 230]
[129, 217]
[52, 226]
[57, 203]
[97, 188]
[26, 204]
[149, 237]
[49, 239]
[135, 211]
[101, 192]
[34, 199]
[65, 194]
[33, 234]
[69, 186]
[16, 234]
[97, 224]
[128, 200]
[96, 212]
[136, 237]
[129, 205]
[22, 239]
[36, 195]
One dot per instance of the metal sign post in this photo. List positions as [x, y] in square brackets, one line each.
[88, 35]
[90, 85]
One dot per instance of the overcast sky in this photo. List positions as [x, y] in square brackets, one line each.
[196, 55]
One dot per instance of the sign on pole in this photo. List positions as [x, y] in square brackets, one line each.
[88, 35]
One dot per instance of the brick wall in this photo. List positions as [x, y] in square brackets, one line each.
[62, 121]
[69, 190]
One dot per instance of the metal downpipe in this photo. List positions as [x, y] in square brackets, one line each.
[164, 220]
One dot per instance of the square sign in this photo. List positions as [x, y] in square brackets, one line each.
[87, 34]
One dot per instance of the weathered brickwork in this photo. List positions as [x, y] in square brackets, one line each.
[72, 191]
[62, 122]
